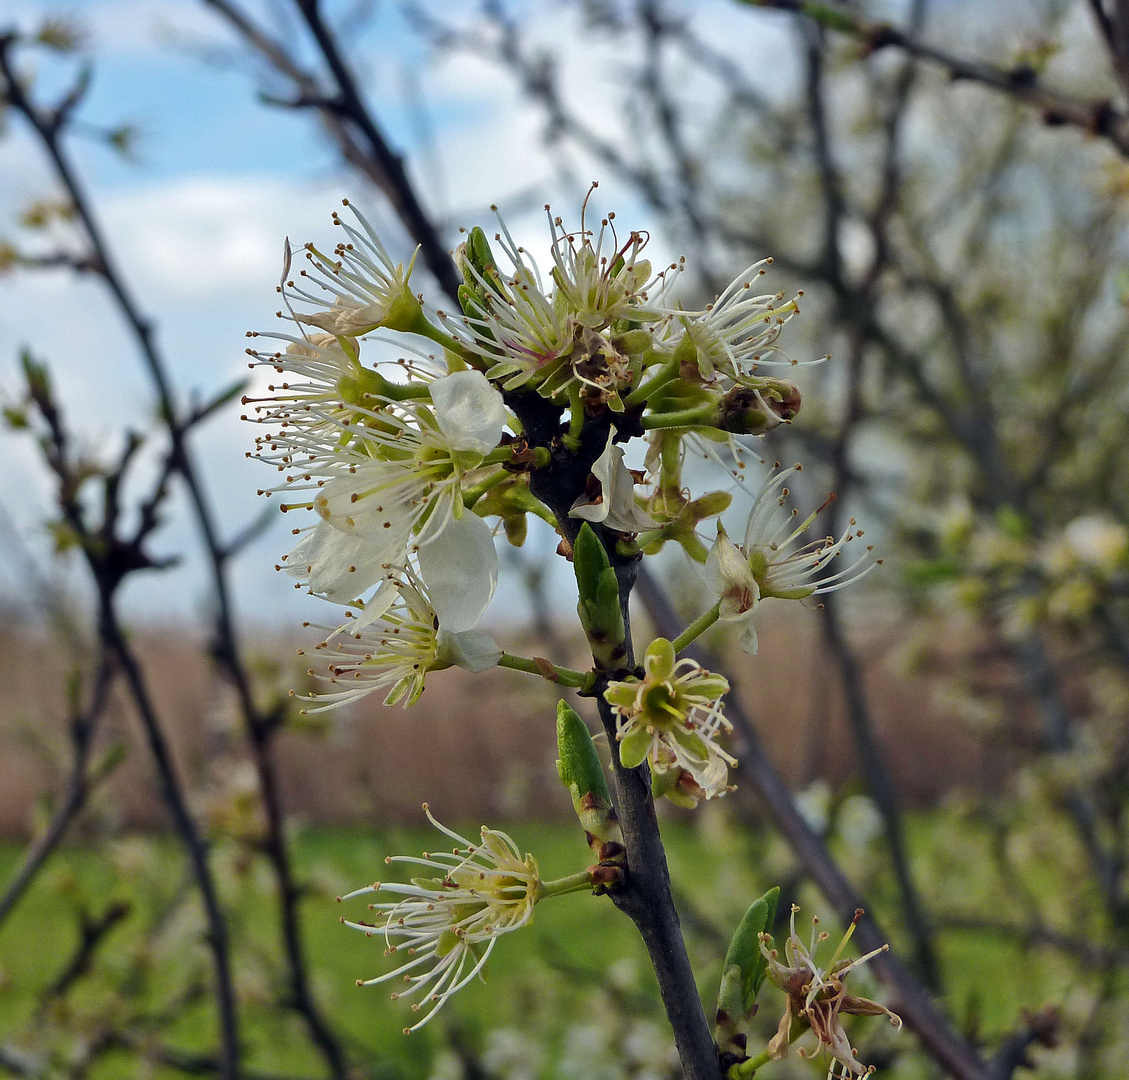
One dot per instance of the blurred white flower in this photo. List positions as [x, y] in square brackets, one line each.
[1098, 541]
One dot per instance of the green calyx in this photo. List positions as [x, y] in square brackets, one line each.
[680, 519]
[404, 313]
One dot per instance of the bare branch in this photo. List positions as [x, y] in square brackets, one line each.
[261, 725]
[1021, 83]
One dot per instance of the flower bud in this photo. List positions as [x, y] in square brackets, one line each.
[633, 342]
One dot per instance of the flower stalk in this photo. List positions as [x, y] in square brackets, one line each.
[546, 669]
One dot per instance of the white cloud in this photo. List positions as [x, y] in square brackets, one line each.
[204, 236]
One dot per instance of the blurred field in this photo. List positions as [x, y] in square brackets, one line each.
[484, 747]
[548, 979]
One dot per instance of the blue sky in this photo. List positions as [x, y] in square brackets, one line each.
[197, 222]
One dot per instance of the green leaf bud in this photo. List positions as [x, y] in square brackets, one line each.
[581, 772]
[743, 973]
[599, 608]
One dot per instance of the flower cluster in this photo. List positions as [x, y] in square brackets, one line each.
[524, 403]
[449, 917]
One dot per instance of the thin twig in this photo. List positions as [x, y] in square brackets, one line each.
[879, 781]
[92, 933]
[1021, 83]
[260, 725]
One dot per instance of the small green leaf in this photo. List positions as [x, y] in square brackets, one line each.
[744, 950]
[581, 772]
[589, 561]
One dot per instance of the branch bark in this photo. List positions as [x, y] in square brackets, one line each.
[1021, 83]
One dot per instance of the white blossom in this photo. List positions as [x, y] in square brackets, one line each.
[393, 475]
[774, 560]
[361, 288]
[448, 919]
[738, 331]
[544, 335]
[397, 641]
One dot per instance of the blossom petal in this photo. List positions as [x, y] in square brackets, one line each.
[469, 410]
[728, 572]
[337, 565]
[617, 507]
[460, 569]
[374, 503]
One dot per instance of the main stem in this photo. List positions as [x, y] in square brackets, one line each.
[646, 899]
[645, 895]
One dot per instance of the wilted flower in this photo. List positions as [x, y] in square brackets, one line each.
[817, 995]
[448, 919]
[773, 562]
[671, 718]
